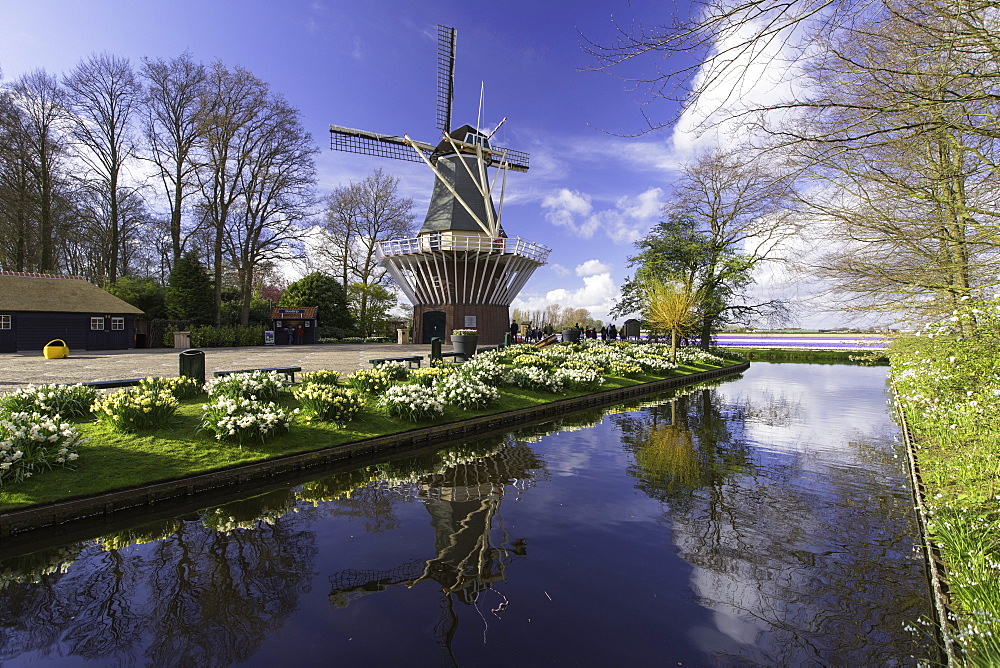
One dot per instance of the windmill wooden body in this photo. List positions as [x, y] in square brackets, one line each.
[462, 270]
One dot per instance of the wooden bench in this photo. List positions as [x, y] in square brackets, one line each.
[413, 362]
[220, 344]
[109, 384]
[289, 371]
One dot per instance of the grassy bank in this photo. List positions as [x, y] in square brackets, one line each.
[947, 382]
[811, 356]
[110, 460]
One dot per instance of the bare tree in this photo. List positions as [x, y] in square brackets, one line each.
[104, 96]
[228, 114]
[359, 217]
[18, 193]
[912, 213]
[743, 207]
[41, 108]
[173, 129]
[276, 187]
[728, 215]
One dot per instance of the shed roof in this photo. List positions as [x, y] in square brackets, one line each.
[57, 294]
[294, 312]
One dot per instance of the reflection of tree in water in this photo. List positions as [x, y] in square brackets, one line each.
[683, 444]
[197, 597]
[805, 555]
[471, 546]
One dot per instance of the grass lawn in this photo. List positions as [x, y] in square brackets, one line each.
[112, 461]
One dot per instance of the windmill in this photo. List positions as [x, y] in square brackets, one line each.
[461, 270]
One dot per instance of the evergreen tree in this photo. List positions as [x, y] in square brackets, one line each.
[190, 295]
[142, 293]
[325, 292]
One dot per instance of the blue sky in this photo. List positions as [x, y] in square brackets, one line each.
[372, 65]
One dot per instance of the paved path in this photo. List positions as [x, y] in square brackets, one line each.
[22, 369]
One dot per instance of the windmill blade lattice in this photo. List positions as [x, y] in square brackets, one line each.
[446, 77]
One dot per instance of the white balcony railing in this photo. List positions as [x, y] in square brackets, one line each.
[436, 242]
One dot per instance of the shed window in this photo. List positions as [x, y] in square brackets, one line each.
[117, 323]
[97, 323]
[4, 322]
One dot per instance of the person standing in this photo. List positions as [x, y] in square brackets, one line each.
[513, 332]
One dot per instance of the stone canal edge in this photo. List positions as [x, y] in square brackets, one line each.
[242, 477]
[936, 574]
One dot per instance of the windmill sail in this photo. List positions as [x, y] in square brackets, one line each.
[446, 77]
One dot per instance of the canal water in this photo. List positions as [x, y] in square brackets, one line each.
[762, 520]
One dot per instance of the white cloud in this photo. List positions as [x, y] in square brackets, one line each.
[565, 207]
[597, 294]
[624, 223]
[559, 270]
[592, 267]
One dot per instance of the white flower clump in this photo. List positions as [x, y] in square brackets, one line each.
[697, 356]
[30, 442]
[254, 385]
[654, 364]
[50, 399]
[580, 379]
[466, 392]
[533, 378]
[414, 402]
[242, 419]
[487, 368]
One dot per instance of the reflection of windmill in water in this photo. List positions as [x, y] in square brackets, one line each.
[464, 503]
[461, 270]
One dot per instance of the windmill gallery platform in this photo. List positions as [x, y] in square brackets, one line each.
[23, 369]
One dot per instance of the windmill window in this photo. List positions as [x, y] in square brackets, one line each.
[4, 322]
[97, 323]
[117, 323]
[474, 139]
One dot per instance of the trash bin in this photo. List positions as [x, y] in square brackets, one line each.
[192, 365]
[140, 340]
[182, 339]
[402, 336]
[55, 349]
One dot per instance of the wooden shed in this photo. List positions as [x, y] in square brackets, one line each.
[37, 308]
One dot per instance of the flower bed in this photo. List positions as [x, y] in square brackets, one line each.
[135, 409]
[243, 420]
[412, 402]
[33, 442]
[255, 385]
[328, 403]
[69, 401]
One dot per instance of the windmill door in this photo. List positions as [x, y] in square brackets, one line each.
[433, 325]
